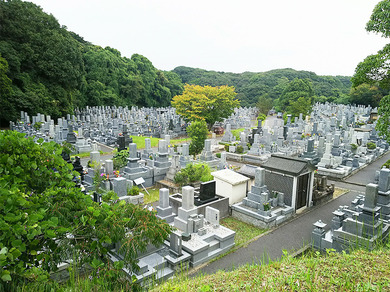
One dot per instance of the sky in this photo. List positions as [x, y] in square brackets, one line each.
[327, 37]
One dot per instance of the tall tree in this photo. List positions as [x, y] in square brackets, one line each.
[7, 110]
[375, 69]
[210, 104]
[264, 104]
[366, 94]
[293, 91]
[197, 131]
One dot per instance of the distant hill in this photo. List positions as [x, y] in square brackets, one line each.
[250, 86]
[46, 68]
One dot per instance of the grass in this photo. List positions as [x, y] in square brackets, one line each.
[140, 141]
[359, 271]
[244, 232]
[154, 195]
[338, 192]
[87, 154]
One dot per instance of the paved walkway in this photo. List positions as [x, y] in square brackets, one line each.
[296, 233]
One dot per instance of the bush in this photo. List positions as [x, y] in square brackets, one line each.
[371, 145]
[134, 191]
[226, 147]
[218, 155]
[120, 159]
[240, 149]
[193, 173]
[354, 146]
[387, 164]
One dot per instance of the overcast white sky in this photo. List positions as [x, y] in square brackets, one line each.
[327, 37]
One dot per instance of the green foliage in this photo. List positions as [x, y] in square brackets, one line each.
[354, 146]
[371, 145]
[120, 159]
[264, 104]
[297, 89]
[383, 123]
[301, 105]
[366, 94]
[45, 219]
[193, 173]
[7, 109]
[134, 191]
[374, 70]
[240, 149]
[218, 155]
[269, 84]
[379, 20]
[198, 132]
[37, 126]
[53, 70]
[261, 117]
[386, 164]
[210, 104]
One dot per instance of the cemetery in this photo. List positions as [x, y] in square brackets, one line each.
[365, 223]
[284, 170]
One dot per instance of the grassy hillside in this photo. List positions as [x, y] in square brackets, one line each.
[359, 271]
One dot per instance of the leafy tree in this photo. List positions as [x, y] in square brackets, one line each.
[366, 94]
[383, 123]
[7, 109]
[198, 132]
[294, 90]
[374, 70]
[301, 105]
[46, 220]
[210, 104]
[264, 104]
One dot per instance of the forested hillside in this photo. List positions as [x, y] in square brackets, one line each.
[46, 68]
[271, 84]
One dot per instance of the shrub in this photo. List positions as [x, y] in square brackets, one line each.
[218, 155]
[193, 173]
[226, 147]
[354, 146]
[371, 145]
[134, 191]
[120, 159]
[387, 164]
[240, 149]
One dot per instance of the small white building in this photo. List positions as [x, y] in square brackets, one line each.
[230, 184]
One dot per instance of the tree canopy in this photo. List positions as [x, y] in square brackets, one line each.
[46, 220]
[53, 70]
[250, 86]
[207, 103]
[374, 70]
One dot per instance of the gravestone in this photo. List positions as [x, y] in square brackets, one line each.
[206, 193]
[212, 216]
[164, 210]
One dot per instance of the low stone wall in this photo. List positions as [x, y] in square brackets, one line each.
[222, 204]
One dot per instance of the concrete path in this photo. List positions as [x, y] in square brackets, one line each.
[296, 233]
